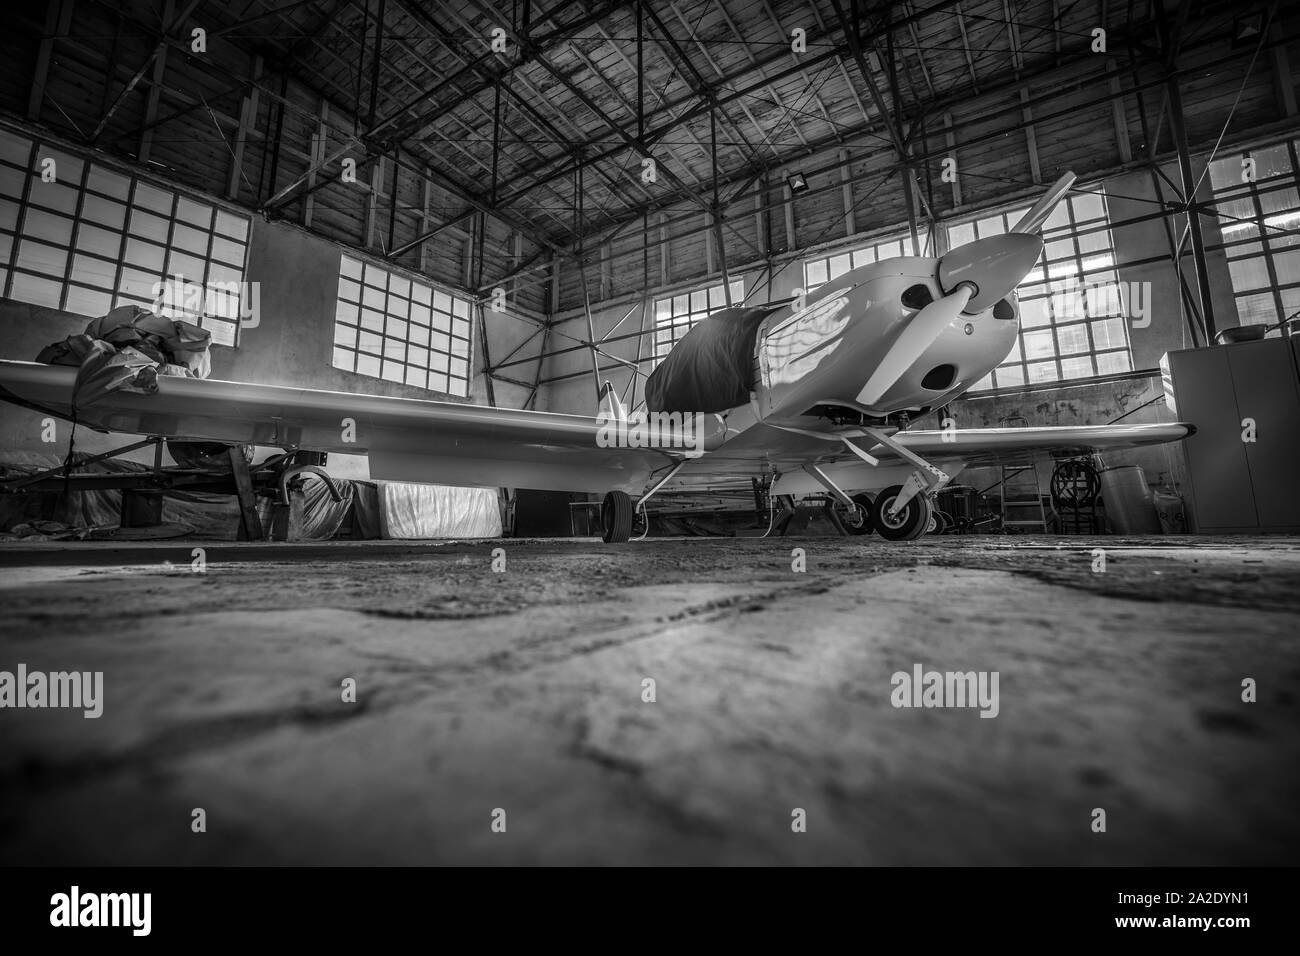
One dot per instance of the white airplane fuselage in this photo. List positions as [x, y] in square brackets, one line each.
[823, 353]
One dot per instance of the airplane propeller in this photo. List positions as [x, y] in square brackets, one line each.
[917, 336]
[973, 277]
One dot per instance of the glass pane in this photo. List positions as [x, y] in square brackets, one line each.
[1010, 377]
[374, 298]
[1249, 275]
[38, 257]
[1038, 343]
[236, 227]
[1271, 161]
[1078, 367]
[1072, 339]
[149, 226]
[36, 290]
[108, 182]
[54, 196]
[368, 365]
[48, 226]
[960, 234]
[103, 211]
[14, 148]
[151, 197]
[1255, 309]
[94, 272]
[196, 214]
[1087, 207]
[1112, 363]
[1109, 334]
[1286, 264]
[88, 302]
[102, 242]
[349, 290]
[1033, 313]
[1042, 372]
[190, 239]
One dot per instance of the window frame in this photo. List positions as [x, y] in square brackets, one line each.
[72, 281]
[419, 294]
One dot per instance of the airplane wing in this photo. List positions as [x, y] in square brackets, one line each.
[987, 446]
[761, 450]
[405, 439]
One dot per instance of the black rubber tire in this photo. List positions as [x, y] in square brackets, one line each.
[945, 521]
[865, 525]
[911, 524]
[616, 517]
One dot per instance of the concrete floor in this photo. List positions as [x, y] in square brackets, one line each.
[522, 691]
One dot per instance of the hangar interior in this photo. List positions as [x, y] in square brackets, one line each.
[512, 204]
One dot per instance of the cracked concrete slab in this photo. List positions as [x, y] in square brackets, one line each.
[523, 691]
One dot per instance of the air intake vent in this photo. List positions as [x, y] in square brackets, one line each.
[939, 378]
[1003, 309]
[917, 297]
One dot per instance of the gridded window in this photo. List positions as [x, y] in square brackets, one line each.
[1072, 306]
[675, 314]
[84, 238]
[817, 272]
[387, 326]
[1256, 197]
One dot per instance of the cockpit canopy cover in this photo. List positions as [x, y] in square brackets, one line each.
[712, 368]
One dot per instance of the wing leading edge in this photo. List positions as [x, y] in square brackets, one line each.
[405, 439]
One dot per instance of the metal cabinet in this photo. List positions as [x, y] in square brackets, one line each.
[1240, 486]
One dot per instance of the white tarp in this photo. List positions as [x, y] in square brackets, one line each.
[409, 510]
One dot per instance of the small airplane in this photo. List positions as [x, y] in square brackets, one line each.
[806, 397]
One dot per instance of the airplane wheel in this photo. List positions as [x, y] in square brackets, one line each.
[616, 517]
[906, 526]
[945, 522]
[859, 522]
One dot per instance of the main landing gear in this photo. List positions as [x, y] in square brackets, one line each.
[904, 523]
[621, 517]
[616, 517]
[898, 513]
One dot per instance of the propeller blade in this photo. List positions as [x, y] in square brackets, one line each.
[917, 336]
[1033, 220]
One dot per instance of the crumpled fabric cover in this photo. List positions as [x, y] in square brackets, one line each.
[179, 347]
[712, 368]
[408, 510]
[105, 369]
